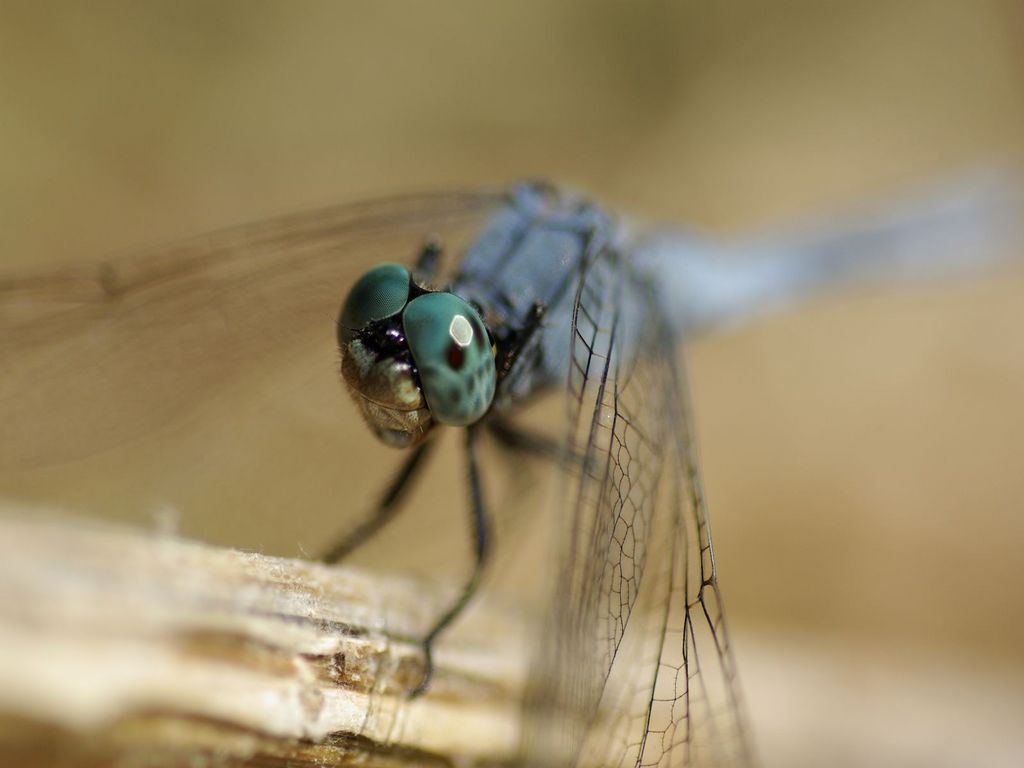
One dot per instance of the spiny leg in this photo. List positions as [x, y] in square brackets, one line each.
[481, 542]
[385, 510]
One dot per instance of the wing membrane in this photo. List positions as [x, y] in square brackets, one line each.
[93, 356]
[637, 669]
[696, 715]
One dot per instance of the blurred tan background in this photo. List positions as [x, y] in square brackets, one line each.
[862, 454]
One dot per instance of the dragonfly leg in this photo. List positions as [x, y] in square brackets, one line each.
[526, 441]
[519, 339]
[385, 510]
[481, 545]
[426, 263]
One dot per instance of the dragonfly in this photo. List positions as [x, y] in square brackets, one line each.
[461, 309]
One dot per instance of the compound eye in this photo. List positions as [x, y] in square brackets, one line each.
[452, 351]
[380, 293]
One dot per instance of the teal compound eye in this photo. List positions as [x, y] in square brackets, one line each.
[379, 293]
[452, 351]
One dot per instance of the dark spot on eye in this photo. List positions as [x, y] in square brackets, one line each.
[456, 356]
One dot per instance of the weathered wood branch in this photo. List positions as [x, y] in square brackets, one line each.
[124, 647]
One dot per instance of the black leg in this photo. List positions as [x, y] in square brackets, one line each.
[481, 541]
[526, 441]
[518, 340]
[532, 443]
[427, 261]
[385, 510]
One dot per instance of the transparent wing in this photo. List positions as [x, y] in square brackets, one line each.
[93, 356]
[636, 668]
[696, 715]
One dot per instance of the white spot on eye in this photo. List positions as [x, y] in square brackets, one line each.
[461, 331]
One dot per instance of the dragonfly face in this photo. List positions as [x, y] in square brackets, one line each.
[412, 357]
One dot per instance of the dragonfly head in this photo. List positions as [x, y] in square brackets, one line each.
[412, 357]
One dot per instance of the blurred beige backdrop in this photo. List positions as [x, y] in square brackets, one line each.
[862, 454]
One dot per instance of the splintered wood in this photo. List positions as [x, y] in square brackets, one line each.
[120, 647]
